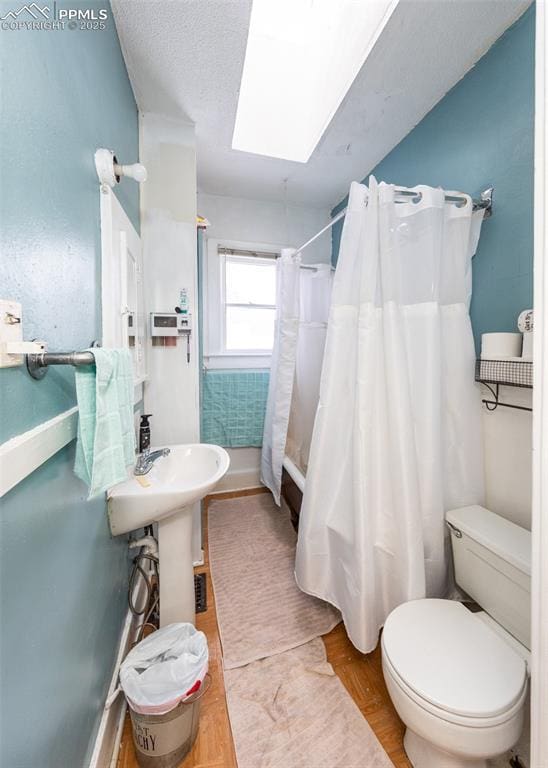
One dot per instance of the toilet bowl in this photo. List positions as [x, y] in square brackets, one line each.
[458, 686]
[458, 679]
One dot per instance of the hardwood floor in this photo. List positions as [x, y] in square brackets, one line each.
[213, 747]
[360, 674]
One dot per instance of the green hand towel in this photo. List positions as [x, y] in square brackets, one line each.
[106, 434]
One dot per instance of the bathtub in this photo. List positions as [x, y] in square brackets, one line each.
[293, 482]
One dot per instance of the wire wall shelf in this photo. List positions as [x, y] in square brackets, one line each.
[509, 373]
[506, 373]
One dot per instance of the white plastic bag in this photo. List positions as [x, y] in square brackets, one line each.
[164, 669]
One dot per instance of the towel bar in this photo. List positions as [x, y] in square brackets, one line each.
[37, 365]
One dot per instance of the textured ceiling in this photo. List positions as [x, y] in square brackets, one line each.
[185, 59]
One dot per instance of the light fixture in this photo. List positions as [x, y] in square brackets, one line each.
[110, 171]
[302, 57]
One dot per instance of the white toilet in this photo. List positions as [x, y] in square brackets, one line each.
[459, 679]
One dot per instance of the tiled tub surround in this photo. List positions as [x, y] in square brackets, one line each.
[233, 407]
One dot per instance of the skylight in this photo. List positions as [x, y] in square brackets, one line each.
[302, 57]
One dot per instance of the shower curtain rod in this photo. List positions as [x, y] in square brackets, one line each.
[334, 220]
[485, 203]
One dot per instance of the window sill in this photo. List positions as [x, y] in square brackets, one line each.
[228, 360]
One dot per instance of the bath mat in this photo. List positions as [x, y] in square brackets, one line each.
[260, 609]
[292, 711]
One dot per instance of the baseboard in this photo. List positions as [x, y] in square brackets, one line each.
[239, 480]
[107, 741]
[240, 493]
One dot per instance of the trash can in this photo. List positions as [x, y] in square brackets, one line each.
[164, 677]
[162, 741]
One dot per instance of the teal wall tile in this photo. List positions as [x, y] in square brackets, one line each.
[63, 578]
[233, 407]
[481, 134]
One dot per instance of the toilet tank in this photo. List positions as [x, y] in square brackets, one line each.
[492, 559]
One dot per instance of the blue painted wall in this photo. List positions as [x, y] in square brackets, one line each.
[480, 134]
[63, 580]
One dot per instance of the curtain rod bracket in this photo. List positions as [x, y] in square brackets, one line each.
[485, 202]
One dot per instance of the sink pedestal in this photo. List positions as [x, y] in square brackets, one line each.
[177, 600]
[165, 495]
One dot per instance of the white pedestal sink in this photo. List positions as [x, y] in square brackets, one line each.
[164, 496]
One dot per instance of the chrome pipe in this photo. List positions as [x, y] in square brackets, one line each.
[37, 365]
[65, 358]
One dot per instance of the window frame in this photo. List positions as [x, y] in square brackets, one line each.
[215, 353]
[241, 258]
[120, 242]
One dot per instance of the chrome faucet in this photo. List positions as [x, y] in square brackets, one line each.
[145, 460]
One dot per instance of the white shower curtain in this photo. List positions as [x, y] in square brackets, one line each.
[282, 371]
[315, 300]
[397, 437]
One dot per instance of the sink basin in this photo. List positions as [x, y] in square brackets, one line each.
[165, 495]
[188, 474]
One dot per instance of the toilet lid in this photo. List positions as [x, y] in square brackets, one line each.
[450, 658]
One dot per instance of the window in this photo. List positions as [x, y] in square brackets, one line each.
[249, 303]
[240, 304]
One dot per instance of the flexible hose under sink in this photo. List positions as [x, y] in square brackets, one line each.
[151, 581]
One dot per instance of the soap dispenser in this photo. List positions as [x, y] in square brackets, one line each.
[144, 433]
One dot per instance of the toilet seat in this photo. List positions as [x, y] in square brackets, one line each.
[449, 662]
[475, 723]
